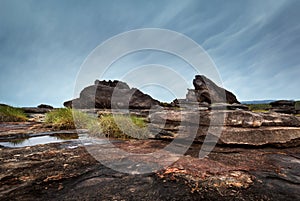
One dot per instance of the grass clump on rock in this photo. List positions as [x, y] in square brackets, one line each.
[66, 118]
[259, 107]
[108, 125]
[11, 114]
[119, 126]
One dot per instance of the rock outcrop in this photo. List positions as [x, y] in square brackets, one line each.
[207, 91]
[35, 110]
[45, 106]
[112, 94]
[231, 127]
[283, 106]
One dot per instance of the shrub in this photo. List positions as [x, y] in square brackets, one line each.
[259, 107]
[8, 113]
[66, 118]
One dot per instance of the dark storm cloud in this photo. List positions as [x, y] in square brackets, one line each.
[255, 44]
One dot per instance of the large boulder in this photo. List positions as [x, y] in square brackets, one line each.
[112, 94]
[207, 91]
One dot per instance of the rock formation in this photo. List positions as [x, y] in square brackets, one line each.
[283, 106]
[207, 91]
[45, 106]
[238, 127]
[207, 95]
[112, 94]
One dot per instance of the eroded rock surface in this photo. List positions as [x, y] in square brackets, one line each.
[235, 127]
[67, 171]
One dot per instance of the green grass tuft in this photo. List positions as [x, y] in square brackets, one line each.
[259, 107]
[119, 126]
[11, 114]
[66, 118]
[114, 126]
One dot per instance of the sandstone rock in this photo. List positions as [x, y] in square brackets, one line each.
[36, 110]
[282, 102]
[283, 106]
[239, 127]
[207, 91]
[36, 117]
[45, 106]
[115, 83]
[112, 94]
[286, 136]
[226, 106]
[276, 119]
[235, 136]
[236, 118]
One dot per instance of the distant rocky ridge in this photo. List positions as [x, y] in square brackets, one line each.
[284, 106]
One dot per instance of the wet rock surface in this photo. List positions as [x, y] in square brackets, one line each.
[67, 171]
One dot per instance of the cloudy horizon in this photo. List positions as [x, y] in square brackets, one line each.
[254, 44]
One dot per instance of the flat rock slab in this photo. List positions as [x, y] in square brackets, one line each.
[234, 118]
[286, 136]
[278, 136]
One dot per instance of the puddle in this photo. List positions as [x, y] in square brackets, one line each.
[45, 139]
[54, 137]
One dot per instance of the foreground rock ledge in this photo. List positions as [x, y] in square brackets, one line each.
[66, 171]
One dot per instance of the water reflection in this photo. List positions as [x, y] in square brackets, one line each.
[32, 141]
[66, 136]
[18, 141]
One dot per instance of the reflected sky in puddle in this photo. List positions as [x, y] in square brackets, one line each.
[83, 139]
[31, 141]
[46, 139]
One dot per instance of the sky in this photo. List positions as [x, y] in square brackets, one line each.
[254, 45]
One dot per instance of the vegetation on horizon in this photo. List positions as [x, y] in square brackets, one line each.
[259, 107]
[297, 106]
[264, 107]
[11, 114]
